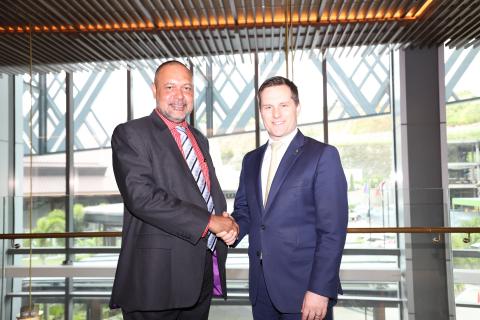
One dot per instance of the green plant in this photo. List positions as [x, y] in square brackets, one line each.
[463, 113]
[458, 243]
[54, 222]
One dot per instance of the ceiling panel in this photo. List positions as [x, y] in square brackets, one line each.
[64, 32]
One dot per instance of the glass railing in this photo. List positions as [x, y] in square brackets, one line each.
[78, 266]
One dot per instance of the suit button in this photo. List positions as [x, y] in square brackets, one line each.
[262, 227]
[258, 254]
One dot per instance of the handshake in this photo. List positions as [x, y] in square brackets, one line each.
[224, 227]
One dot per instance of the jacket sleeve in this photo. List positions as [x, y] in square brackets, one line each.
[241, 212]
[132, 165]
[331, 205]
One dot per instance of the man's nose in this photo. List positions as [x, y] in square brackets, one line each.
[178, 93]
[275, 112]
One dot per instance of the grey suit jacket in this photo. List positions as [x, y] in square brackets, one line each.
[162, 258]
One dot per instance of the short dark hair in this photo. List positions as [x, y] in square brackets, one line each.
[279, 81]
[166, 63]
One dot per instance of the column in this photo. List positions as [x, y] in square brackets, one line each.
[422, 178]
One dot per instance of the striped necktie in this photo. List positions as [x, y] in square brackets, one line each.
[196, 170]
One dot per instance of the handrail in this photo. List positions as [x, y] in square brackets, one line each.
[110, 234]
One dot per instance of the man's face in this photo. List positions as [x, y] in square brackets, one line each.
[173, 91]
[278, 110]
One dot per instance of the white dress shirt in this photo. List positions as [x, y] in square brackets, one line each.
[267, 156]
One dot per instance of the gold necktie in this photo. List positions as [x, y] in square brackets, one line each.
[275, 147]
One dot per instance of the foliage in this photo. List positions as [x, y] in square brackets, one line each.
[80, 311]
[78, 214]
[375, 160]
[463, 113]
[109, 314]
[463, 133]
[227, 155]
[55, 312]
[459, 287]
[351, 183]
[368, 125]
[458, 243]
[54, 222]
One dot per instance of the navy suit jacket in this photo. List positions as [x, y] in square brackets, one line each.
[162, 259]
[301, 232]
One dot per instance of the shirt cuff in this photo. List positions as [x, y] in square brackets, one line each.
[206, 229]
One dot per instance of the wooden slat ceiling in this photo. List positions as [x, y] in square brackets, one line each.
[84, 34]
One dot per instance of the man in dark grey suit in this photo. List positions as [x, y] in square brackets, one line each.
[170, 262]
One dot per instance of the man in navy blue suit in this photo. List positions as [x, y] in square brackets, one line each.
[292, 202]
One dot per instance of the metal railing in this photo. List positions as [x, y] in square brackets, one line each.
[110, 234]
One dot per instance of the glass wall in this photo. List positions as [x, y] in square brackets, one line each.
[43, 105]
[143, 100]
[225, 112]
[99, 105]
[462, 95]
[357, 102]
[360, 126]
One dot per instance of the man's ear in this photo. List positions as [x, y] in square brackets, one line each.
[299, 107]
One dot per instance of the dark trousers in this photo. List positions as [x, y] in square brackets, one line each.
[197, 312]
[265, 310]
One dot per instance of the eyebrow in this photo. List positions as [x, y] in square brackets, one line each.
[282, 102]
[177, 83]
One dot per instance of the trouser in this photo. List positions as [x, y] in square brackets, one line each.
[265, 310]
[199, 311]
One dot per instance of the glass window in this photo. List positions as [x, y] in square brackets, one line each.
[307, 75]
[357, 86]
[230, 124]
[360, 126]
[463, 142]
[100, 100]
[271, 64]
[94, 308]
[233, 96]
[40, 194]
[366, 150]
[143, 101]
[201, 80]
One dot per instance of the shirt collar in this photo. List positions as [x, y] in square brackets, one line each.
[286, 139]
[170, 124]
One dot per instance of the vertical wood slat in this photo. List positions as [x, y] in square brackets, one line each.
[442, 29]
[445, 21]
[465, 31]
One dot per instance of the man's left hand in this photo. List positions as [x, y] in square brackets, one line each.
[314, 306]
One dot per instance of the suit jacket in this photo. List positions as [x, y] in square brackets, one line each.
[300, 234]
[162, 258]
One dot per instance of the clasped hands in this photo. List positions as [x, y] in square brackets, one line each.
[224, 227]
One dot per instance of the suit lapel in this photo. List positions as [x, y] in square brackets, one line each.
[257, 175]
[169, 142]
[291, 155]
[167, 138]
